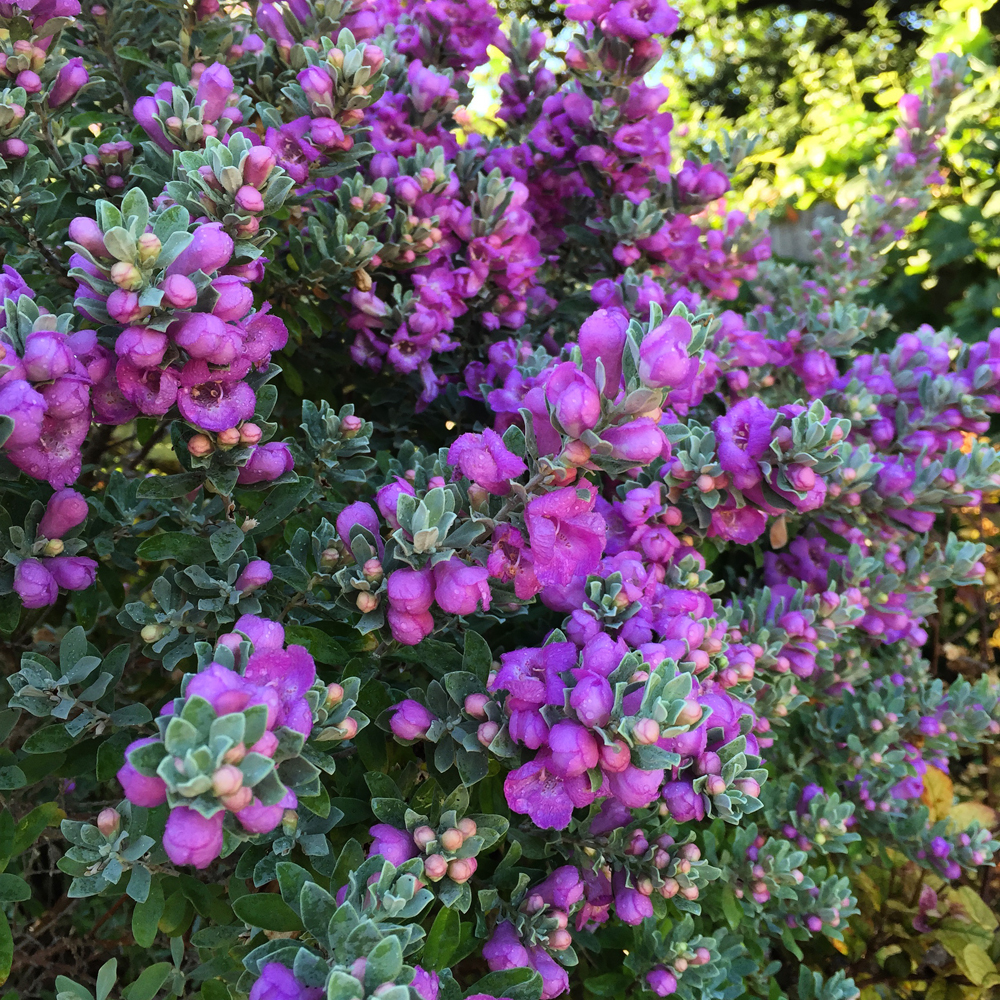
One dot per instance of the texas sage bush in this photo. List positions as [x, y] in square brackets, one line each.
[556, 626]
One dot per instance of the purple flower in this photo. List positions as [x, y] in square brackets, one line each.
[663, 356]
[65, 510]
[661, 982]
[425, 984]
[214, 405]
[535, 790]
[563, 888]
[742, 437]
[532, 675]
[410, 720]
[259, 818]
[210, 249]
[191, 839]
[602, 336]
[47, 356]
[72, 572]
[264, 634]
[34, 584]
[179, 291]
[26, 407]
[255, 574]
[215, 87]
[290, 673]
[592, 699]
[683, 801]
[486, 460]
[410, 628]
[318, 88]
[12, 285]
[206, 337]
[567, 537]
[634, 787]
[631, 905]
[573, 749]
[640, 441]
[363, 514]
[69, 80]
[142, 347]
[279, 983]
[267, 462]
[459, 589]
[555, 979]
[396, 846]
[573, 399]
[504, 949]
[411, 590]
[148, 791]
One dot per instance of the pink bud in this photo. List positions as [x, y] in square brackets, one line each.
[108, 822]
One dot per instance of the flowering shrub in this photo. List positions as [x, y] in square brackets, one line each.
[580, 651]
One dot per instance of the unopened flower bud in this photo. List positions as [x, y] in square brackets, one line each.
[467, 826]
[334, 695]
[422, 836]
[235, 754]
[487, 732]
[475, 705]
[228, 438]
[646, 731]
[250, 433]
[238, 800]
[200, 445]
[53, 547]
[152, 633]
[690, 713]
[372, 570]
[670, 888]
[559, 939]
[126, 276]
[366, 602]
[452, 839]
[108, 822]
[435, 867]
[149, 247]
[227, 780]
[460, 871]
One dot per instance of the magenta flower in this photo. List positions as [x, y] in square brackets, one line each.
[210, 249]
[563, 888]
[411, 590]
[290, 673]
[212, 404]
[663, 356]
[65, 510]
[259, 818]
[592, 699]
[572, 748]
[410, 628]
[555, 979]
[264, 634]
[535, 790]
[486, 460]
[640, 441]
[661, 982]
[425, 984]
[72, 572]
[191, 839]
[148, 791]
[684, 803]
[215, 87]
[255, 574]
[267, 462]
[460, 589]
[504, 949]
[567, 537]
[396, 846]
[602, 336]
[631, 906]
[277, 982]
[34, 584]
[742, 437]
[533, 675]
[634, 787]
[410, 720]
[26, 407]
[573, 399]
[360, 513]
[70, 78]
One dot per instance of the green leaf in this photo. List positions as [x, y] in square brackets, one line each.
[51, 739]
[168, 487]
[444, 936]
[477, 658]
[179, 545]
[226, 541]
[132, 54]
[149, 983]
[6, 948]
[322, 647]
[609, 985]
[280, 503]
[731, 908]
[10, 615]
[146, 916]
[514, 984]
[267, 911]
[106, 977]
[14, 889]
[30, 827]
